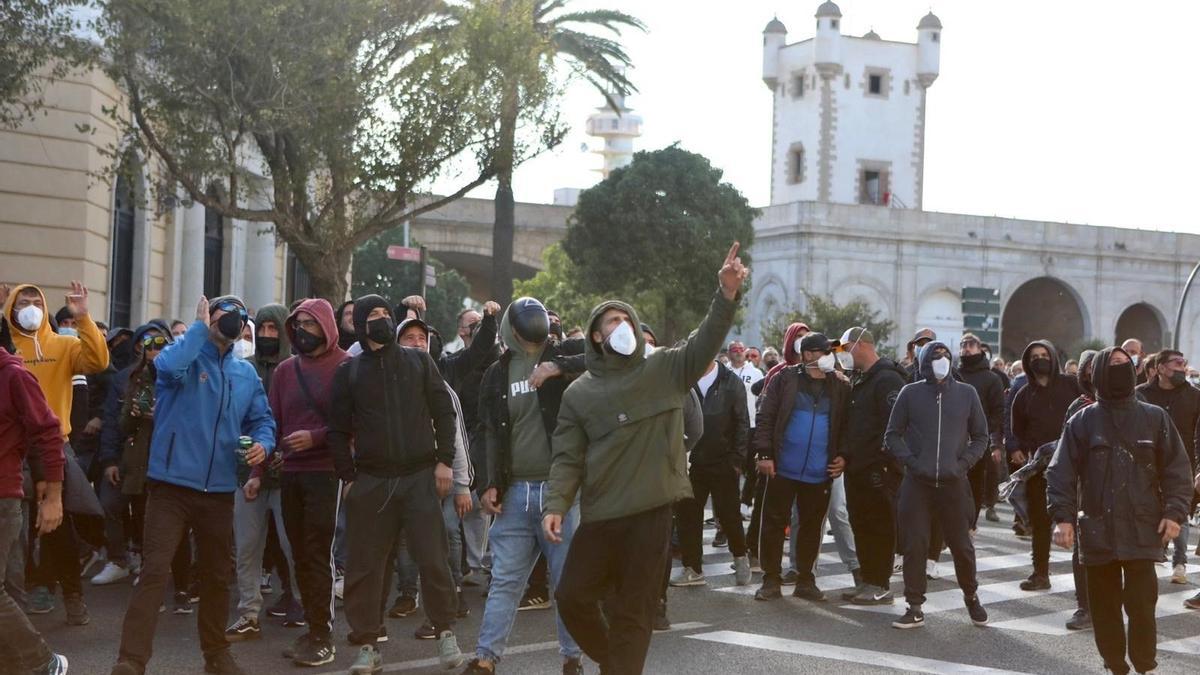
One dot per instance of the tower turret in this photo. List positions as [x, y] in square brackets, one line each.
[828, 43]
[929, 48]
[774, 37]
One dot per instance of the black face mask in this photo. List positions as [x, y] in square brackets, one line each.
[121, 355]
[230, 325]
[971, 360]
[1121, 380]
[306, 342]
[1178, 378]
[381, 330]
[267, 346]
[1040, 366]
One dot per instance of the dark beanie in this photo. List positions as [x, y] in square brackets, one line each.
[62, 315]
[646, 329]
[362, 308]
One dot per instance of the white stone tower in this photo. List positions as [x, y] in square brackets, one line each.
[849, 112]
[618, 128]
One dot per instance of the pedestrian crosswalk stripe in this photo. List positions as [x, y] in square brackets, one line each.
[1055, 623]
[846, 654]
[1189, 645]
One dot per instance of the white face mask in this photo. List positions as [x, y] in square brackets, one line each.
[649, 349]
[30, 317]
[846, 360]
[243, 349]
[622, 340]
[941, 368]
[826, 363]
[1133, 358]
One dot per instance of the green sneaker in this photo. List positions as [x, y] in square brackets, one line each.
[41, 600]
[448, 652]
[368, 661]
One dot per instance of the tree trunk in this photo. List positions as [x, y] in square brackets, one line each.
[503, 229]
[327, 273]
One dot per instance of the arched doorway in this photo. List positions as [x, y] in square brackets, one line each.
[214, 250]
[120, 289]
[1143, 322]
[942, 311]
[1041, 309]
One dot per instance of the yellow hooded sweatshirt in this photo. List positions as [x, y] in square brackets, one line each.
[54, 359]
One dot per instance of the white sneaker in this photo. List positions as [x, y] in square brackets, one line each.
[931, 570]
[111, 574]
[1179, 575]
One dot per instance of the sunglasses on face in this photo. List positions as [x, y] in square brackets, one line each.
[154, 342]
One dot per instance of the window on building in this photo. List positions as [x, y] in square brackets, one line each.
[875, 84]
[214, 251]
[798, 86]
[795, 164]
[833, 23]
[120, 299]
[936, 37]
[873, 182]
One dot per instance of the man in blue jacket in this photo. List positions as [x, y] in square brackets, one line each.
[937, 431]
[206, 399]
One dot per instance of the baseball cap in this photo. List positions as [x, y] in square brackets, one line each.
[816, 342]
[857, 334]
[924, 334]
[409, 323]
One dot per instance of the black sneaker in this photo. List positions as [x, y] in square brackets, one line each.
[245, 628]
[913, 618]
[296, 647]
[281, 606]
[464, 610]
[808, 592]
[425, 631]
[314, 652]
[720, 540]
[991, 516]
[770, 588]
[572, 667]
[1036, 582]
[383, 636]
[183, 604]
[402, 607]
[222, 663]
[975, 609]
[534, 600]
[789, 578]
[295, 616]
[1080, 620]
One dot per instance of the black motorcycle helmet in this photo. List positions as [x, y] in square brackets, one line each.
[529, 320]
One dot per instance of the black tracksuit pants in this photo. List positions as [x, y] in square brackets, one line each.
[1132, 585]
[812, 501]
[1039, 520]
[310, 501]
[619, 561]
[377, 510]
[720, 481]
[871, 502]
[920, 503]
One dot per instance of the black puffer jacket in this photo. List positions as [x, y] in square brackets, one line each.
[1123, 464]
[726, 422]
[872, 395]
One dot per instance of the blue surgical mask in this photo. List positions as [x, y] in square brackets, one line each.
[68, 331]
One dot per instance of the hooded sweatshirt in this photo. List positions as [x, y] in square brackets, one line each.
[112, 437]
[25, 418]
[1122, 464]
[345, 337]
[1088, 396]
[263, 364]
[54, 359]
[790, 356]
[619, 439]
[937, 429]
[291, 406]
[530, 444]
[1038, 412]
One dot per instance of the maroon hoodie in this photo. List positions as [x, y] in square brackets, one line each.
[25, 418]
[790, 356]
[291, 407]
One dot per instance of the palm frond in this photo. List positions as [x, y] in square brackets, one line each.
[608, 18]
[543, 9]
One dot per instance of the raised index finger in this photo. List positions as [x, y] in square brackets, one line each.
[733, 251]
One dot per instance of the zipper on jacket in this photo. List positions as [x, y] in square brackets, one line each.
[812, 429]
[387, 405]
[937, 466]
[217, 422]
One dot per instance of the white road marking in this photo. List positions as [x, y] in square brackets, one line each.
[1054, 623]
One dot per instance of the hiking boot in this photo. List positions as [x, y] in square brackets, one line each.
[1179, 574]
[222, 663]
[534, 600]
[688, 577]
[58, 666]
[183, 604]
[913, 618]
[77, 611]
[1192, 602]
[314, 652]
[111, 574]
[245, 628]
[449, 654]
[296, 647]
[368, 662]
[41, 601]
[1036, 582]
[874, 595]
[402, 607]
[808, 591]
[1080, 620]
[425, 631]
[991, 516]
[978, 614]
[741, 571]
[770, 589]
[789, 578]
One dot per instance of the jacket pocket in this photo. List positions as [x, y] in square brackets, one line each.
[1094, 537]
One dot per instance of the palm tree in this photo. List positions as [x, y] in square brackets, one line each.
[549, 36]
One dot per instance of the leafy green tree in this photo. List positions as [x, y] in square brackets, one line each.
[38, 42]
[652, 233]
[374, 272]
[826, 316]
[515, 48]
[343, 105]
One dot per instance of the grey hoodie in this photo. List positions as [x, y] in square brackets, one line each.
[937, 429]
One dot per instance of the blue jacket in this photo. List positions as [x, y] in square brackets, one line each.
[204, 402]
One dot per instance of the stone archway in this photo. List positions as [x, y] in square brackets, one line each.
[941, 310]
[1041, 308]
[1143, 322]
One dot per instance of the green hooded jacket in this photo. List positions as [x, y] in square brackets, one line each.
[619, 439]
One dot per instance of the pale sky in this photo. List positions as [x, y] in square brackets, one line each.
[1068, 110]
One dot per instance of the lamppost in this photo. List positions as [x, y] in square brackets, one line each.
[1183, 299]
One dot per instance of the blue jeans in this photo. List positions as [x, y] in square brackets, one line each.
[516, 538]
[1181, 542]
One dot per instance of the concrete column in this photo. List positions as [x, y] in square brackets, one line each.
[236, 269]
[260, 265]
[191, 260]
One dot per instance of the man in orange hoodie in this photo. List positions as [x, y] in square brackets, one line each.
[54, 359]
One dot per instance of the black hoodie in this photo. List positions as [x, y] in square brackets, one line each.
[872, 395]
[345, 337]
[1122, 463]
[991, 395]
[1038, 412]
